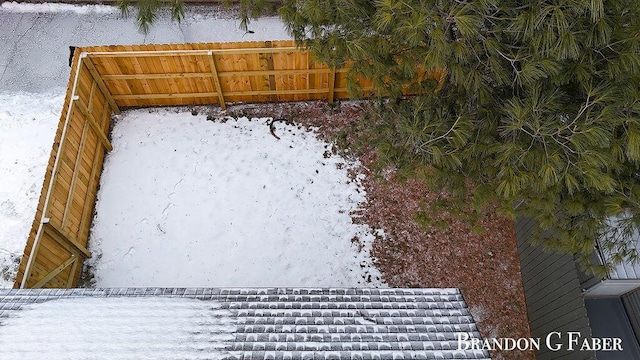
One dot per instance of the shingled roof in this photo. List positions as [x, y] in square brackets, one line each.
[257, 323]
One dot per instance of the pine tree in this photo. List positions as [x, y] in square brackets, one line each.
[539, 105]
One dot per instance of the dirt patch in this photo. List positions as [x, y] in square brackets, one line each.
[424, 244]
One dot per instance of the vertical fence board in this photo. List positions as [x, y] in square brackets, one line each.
[120, 67]
[139, 64]
[67, 217]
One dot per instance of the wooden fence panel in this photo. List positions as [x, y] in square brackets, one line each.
[27, 254]
[56, 245]
[195, 74]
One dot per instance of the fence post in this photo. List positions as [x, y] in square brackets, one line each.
[216, 80]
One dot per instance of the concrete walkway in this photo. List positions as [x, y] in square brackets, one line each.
[34, 46]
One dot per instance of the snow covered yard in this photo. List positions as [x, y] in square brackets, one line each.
[189, 200]
[27, 127]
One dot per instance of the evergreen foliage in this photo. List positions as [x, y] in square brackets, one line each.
[252, 9]
[539, 106]
[146, 11]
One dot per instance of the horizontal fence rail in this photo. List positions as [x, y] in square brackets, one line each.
[105, 79]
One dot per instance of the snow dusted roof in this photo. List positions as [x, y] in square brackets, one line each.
[253, 323]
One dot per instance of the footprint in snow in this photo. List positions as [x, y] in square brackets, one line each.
[166, 209]
[129, 252]
[8, 208]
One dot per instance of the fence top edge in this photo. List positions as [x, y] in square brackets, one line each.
[197, 46]
[141, 53]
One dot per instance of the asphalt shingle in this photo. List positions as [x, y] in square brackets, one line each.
[286, 323]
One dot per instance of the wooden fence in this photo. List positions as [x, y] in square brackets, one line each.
[56, 246]
[220, 73]
[106, 78]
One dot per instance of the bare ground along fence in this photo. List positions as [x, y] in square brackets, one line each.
[106, 78]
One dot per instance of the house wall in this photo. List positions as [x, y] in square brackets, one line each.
[552, 292]
[609, 319]
[631, 302]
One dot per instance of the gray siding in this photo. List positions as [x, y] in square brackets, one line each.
[631, 302]
[553, 294]
[609, 319]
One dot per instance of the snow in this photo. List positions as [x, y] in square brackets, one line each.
[185, 201]
[12, 6]
[117, 328]
[27, 128]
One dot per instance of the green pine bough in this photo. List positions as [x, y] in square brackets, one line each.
[146, 10]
